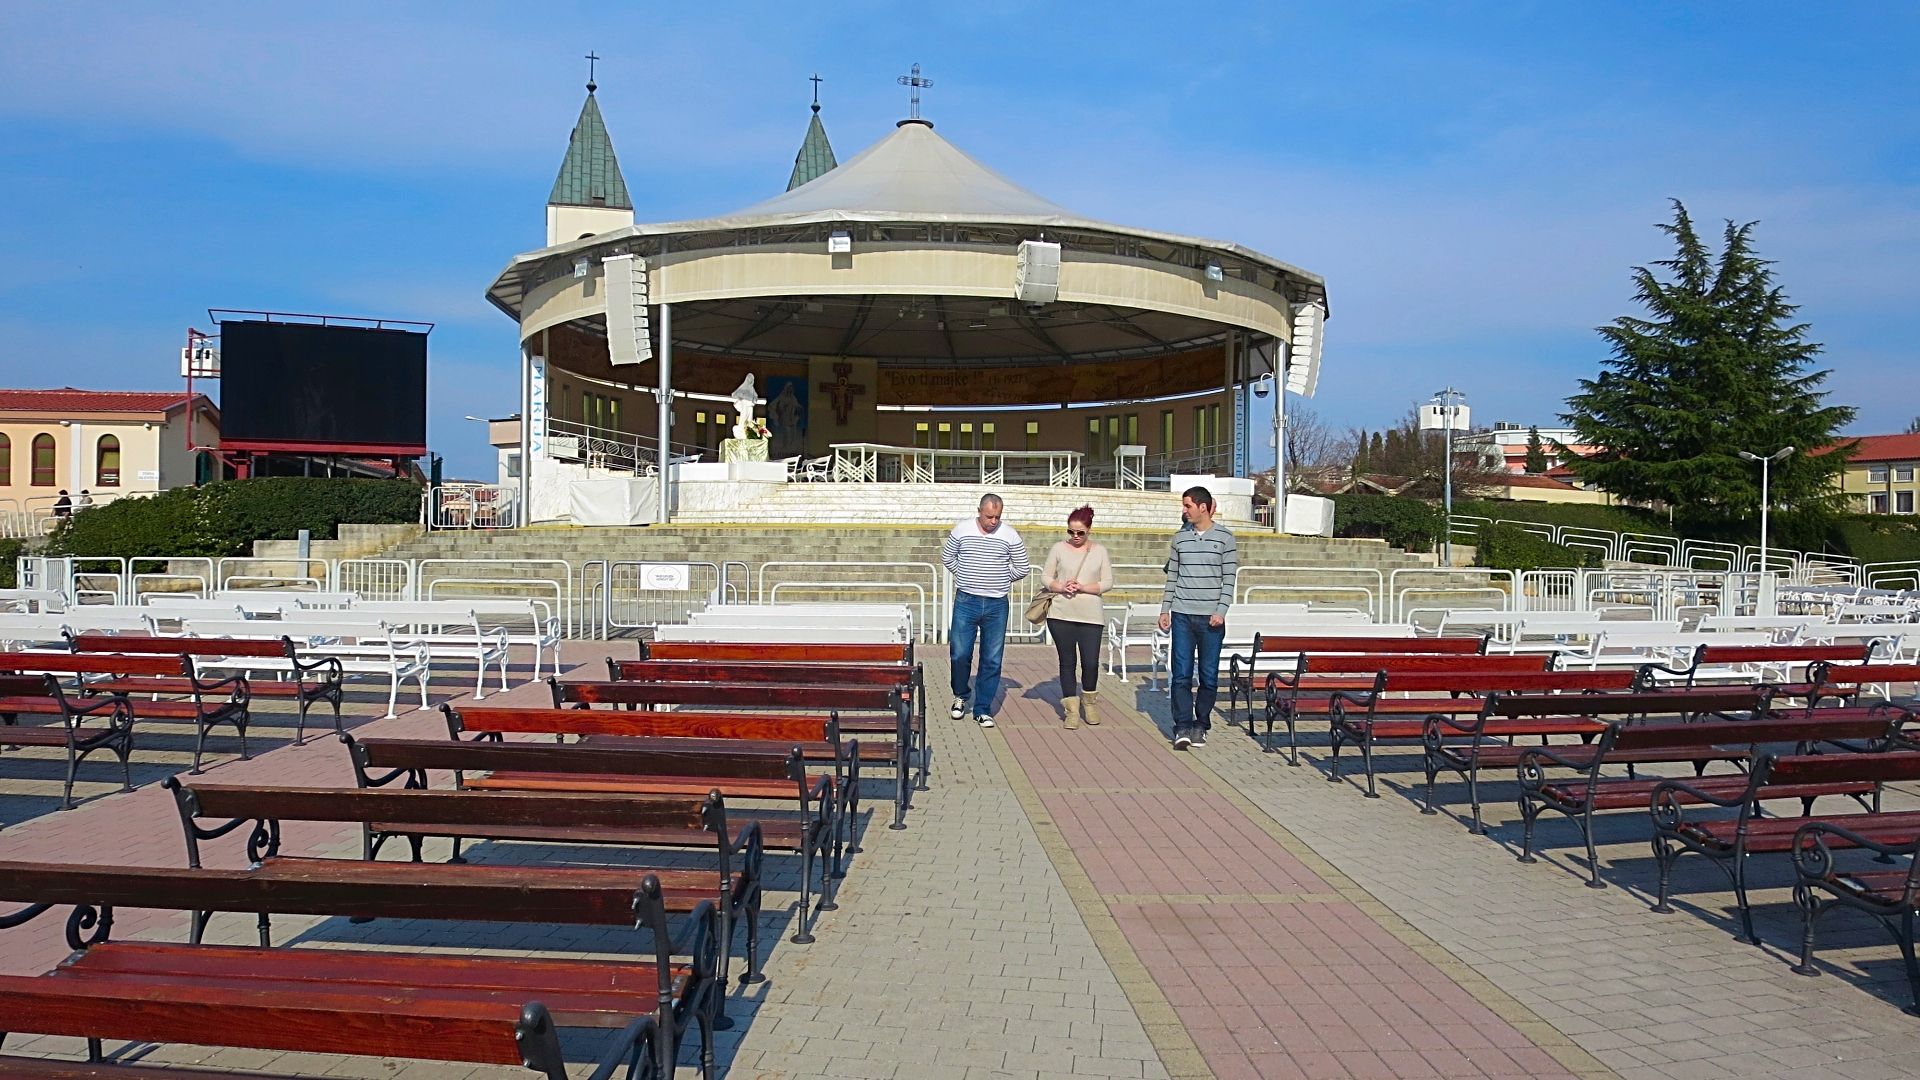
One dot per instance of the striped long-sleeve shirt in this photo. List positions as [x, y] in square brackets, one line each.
[1200, 572]
[985, 563]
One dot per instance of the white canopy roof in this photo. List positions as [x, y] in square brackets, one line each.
[912, 175]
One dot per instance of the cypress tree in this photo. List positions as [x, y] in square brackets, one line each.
[1536, 453]
[1715, 367]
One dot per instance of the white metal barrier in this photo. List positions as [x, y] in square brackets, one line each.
[924, 582]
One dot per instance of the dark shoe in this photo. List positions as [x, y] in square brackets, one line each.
[1181, 740]
[1199, 738]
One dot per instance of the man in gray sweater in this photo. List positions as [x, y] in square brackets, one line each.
[1200, 573]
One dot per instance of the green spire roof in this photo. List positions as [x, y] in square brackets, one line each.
[590, 176]
[815, 156]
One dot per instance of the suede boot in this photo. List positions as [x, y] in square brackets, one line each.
[1089, 707]
[1072, 707]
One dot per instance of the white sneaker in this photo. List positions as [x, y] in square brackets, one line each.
[958, 709]
[984, 721]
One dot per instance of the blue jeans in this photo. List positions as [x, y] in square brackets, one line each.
[1191, 635]
[986, 616]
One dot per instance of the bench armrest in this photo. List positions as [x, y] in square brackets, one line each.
[634, 1045]
[1813, 855]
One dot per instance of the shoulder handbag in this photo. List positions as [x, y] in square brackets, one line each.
[1037, 611]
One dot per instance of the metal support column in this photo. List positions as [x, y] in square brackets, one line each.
[666, 414]
[1281, 354]
[522, 497]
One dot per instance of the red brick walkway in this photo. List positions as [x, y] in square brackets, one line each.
[1274, 970]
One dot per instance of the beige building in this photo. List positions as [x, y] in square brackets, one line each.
[1883, 476]
[107, 443]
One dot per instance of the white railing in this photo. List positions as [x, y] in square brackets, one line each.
[923, 584]
[470, 506]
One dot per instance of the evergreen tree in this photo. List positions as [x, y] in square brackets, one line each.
[1913, 426]
[1717, 366]
[1536, 452]
[1376, 450]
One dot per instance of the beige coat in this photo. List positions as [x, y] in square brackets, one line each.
[1063, 565]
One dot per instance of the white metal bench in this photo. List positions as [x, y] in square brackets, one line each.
[447, 627]
[783, 635]
[1632, 646]
[363, 648]
[1137, 627]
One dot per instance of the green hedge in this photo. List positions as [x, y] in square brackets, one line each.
[1509, 547]
[1579, 515]
[1878, 537]
[1403, 522]
[225, 519]
[10, 552]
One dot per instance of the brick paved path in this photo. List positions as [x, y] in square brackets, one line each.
[1089, 903]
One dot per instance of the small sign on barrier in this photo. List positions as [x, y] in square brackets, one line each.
[675, 577]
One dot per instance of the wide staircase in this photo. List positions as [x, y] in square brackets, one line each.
[897, 563]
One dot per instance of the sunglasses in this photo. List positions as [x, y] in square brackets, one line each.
[1076, 532]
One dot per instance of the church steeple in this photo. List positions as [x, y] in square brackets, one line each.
[590, 195]
[816, 153]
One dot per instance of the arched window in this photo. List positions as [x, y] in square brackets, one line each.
[43, 460]
[106, 462]
[6, 461]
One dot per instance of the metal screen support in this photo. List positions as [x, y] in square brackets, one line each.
[666, 414]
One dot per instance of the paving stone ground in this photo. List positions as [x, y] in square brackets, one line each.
[1090, 903]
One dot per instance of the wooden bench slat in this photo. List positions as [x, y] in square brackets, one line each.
[23, 1068]
[407, 1025]
[783, 652]
[775, 672]
[450, 808]
[515, 780]
[179, 646]
[1776, 834]
[449, 755]
[1635, 794]
[730, 695]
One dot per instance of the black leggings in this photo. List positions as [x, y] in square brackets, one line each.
[1081, 637]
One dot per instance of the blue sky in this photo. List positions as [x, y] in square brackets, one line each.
[1474, 180]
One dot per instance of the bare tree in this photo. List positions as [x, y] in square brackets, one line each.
[1311, 444]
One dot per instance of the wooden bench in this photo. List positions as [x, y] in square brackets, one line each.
[318, 679]
[1318, 676]
[1727, 842]
[1266, 652]
[76, 734]
[690, 769]
[1368, 718]
[544, 817]
[840, 700]
[1467, 745]
[383, 1003]
[1891, 896]
[818, 738]
[1845, 682]
[879, 736]
[1699, 742]
[206, 703]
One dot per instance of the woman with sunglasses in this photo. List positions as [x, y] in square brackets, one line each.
[1077, 572]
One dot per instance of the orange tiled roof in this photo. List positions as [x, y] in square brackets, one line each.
[69, 400]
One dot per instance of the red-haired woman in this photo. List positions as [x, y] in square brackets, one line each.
[1077, 572]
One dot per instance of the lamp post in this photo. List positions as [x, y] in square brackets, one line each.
[1766, 464]
[1449, 401]
[1261, 387]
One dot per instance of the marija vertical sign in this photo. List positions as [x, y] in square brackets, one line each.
[536, 407]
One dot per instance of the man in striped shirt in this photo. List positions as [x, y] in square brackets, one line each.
[1200, 572]
[985, 559]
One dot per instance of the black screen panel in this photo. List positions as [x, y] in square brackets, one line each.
[339, 385]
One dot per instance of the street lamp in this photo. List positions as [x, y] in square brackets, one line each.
[1445, 411]
[1766, 463]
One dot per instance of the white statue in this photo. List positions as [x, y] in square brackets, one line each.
[745, 397]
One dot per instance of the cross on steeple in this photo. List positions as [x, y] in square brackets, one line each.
[815, 80]
[916, 82]
[591, 58]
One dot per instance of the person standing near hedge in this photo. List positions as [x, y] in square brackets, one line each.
[1200, 572]
[1077, 572]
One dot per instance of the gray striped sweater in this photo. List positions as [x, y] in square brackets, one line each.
[1200, 572]
[982, 563]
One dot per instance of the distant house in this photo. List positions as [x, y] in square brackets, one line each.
[108, 443]
[1504, 448]
[1881, 476]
